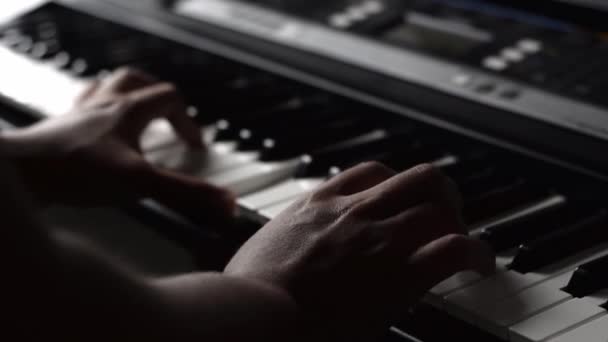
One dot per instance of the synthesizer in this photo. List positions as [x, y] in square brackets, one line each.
[276, 132]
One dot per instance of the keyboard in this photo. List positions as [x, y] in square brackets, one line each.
[274, 138]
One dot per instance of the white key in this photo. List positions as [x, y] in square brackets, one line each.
[452, 284]
[52, 94]
[255, 176]
[463, 303]
[279, 193]
[496, 316]
[470, 302]
[462, 280]
[558, 319]
[465, 279]
[594, 331]
[274, 211]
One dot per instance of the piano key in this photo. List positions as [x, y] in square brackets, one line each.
[409, 156]
[589, 278]
[254, 176]
[502, 199]
[456, 282]
[35, 95]
[255, 133]
[439, 293]
[497, 315]
[562, 243]
[526, 224]
[482, 180]
[469, 303]
[363, 148]
[294, 144]
[593, 331]
[558, 319]
[279, 193]
[229, 128]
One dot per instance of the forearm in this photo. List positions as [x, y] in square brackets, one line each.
[194, 307]
[216, 307]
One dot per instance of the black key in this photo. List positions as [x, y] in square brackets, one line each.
[589, 278]
[346, 155]
[502, 200]
[482, 180]
[513, 233]
[295, 144]
[45, 49]
[292, 109]
[467, 166]
[563, 243]
[253, 136]
[407, 156]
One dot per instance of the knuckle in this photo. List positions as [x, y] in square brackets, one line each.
[433, 176]
[124, 72]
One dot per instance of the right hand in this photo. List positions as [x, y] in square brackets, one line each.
[364, 247]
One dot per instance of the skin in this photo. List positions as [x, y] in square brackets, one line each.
[340, 264]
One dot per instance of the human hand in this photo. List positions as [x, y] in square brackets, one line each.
[92, 155]
[364, 247]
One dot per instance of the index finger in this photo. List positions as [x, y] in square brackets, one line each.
[162, 101]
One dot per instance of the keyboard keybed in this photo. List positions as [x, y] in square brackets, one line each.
[271, 140]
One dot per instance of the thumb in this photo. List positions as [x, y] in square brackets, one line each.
[189, 194]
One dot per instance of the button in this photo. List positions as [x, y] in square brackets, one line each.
[462, 80]
[512, 55]
[485, 88]
[510, 94]
[340, 21]
[373, 6]
[495, 63]
[356, 13]
[529, 45]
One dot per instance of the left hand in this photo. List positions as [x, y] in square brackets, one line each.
[92, 155]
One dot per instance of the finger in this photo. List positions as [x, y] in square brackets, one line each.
[184, 126]
[421, 225]
[126, 79]
[160, 100]
[447, 256]
[357, 179]
[89, 91]
[423, 183]
[187, 193]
